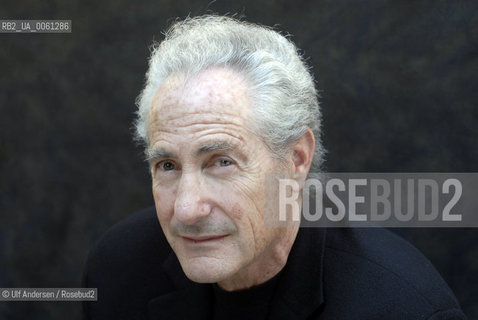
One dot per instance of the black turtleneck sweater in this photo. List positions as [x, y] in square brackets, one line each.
[250, 304]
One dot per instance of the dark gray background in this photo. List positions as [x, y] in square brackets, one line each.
[398, 81]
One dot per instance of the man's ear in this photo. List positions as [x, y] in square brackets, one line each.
[302, 155]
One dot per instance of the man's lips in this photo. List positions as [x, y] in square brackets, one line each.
[201, 239]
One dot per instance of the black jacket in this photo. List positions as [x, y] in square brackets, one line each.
[330, 274]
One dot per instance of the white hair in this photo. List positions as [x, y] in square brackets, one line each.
[284, 97]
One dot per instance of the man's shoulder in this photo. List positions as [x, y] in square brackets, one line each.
[370, 267]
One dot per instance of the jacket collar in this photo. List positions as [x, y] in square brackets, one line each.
[299, 291]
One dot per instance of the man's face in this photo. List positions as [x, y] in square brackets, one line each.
[208, 176]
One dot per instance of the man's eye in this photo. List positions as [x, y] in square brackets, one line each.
[223, 162]
[167, 165]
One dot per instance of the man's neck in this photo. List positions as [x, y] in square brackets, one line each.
[265, 268]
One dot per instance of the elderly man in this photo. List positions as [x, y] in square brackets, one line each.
[225, 104]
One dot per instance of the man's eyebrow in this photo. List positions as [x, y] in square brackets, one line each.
[152, 154]
[214, 146]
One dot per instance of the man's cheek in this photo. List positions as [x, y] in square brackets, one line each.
[164, 204]
[237, 211]
[246, 186]
[163, 215]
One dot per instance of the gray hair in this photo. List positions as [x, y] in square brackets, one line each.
[282, 88]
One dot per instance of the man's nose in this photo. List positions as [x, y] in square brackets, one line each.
[190, 206]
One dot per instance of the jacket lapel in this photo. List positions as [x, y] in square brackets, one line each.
[188, 300]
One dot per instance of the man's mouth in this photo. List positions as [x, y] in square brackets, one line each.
[203, 239]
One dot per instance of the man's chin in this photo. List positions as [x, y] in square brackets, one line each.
[206, 270]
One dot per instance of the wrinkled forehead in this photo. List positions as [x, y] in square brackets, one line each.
[216, 93]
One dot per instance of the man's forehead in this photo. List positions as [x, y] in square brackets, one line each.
[201, 108]
[218, 91]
